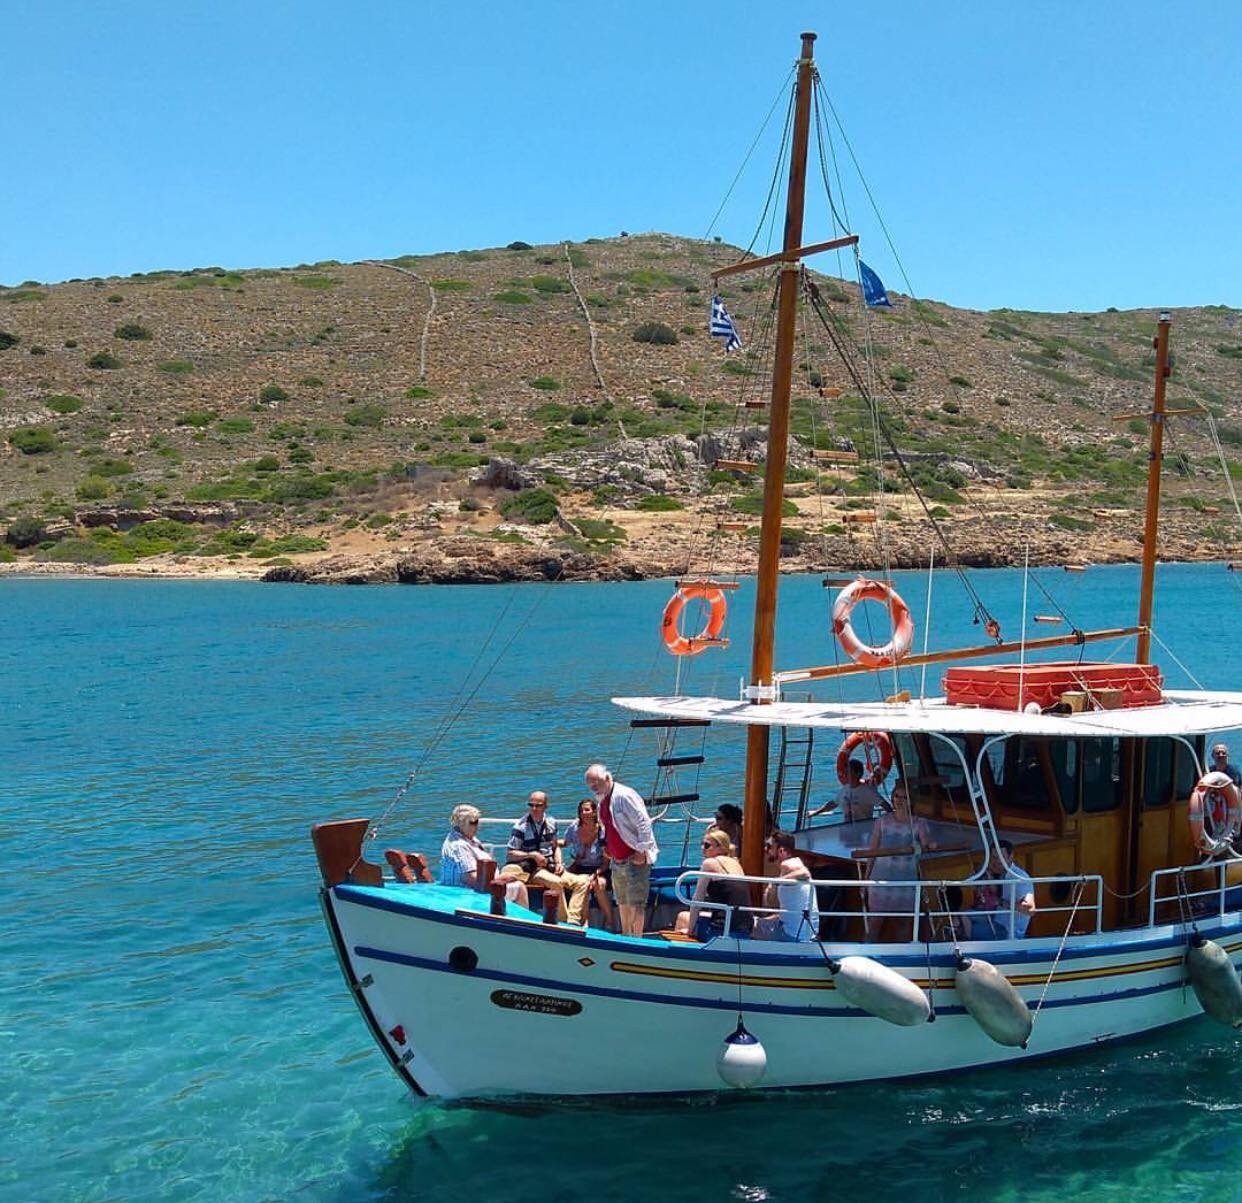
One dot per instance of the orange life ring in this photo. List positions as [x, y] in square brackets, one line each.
[691, 645]
[880, 740]
[1215, 813]
[903, 625]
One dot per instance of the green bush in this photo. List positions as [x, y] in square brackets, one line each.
[416, 392]
[64, 403]
[752, 503]
[93, 488]
[109, 466]
[533, 506]
[950, 407]
[8, 340]
[511, 297]
[33, 440]
[103, 360]
[76, 551]
[177, 367]
[305, 487]
[546, 383]
[266, 463]
[368, 413]
[197, 418]
[659, 503]
[600, 530]
[519, 245]
[960, 381]
[450, 285]
[26, 532]
[549, 285]
[269, 394]
[316, 283]
[235, 425]
[301, 455]
[133, 332]
[738, 367]
[655, 332]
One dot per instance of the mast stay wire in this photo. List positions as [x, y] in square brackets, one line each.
[785, 86]
[869, 399]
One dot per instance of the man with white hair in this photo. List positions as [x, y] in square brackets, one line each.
[630, 842]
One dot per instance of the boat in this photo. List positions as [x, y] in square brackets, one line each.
[1090, 777]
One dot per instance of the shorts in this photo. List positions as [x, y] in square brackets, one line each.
[631, 883]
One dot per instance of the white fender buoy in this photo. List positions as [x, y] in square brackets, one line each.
[741, 1062]
[873, 987]
[1215, 981]
[992, 1002]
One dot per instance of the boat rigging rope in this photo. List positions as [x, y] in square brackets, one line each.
[981, 610]
[1069, 926]
[763, 126]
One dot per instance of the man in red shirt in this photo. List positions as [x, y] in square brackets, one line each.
[630, 842]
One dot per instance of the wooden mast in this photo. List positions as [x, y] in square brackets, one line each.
[1148, 579]
[763, 650]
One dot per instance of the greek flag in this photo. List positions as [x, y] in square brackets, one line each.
[872, 287]
[721, 326]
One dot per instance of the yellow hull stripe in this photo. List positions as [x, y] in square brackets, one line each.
[803, 983]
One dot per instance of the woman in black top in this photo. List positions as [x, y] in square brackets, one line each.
[719, 857]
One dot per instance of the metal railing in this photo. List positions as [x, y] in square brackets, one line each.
[1213, 898]
[924, 903]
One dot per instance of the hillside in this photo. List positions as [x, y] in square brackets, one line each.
[336, 421]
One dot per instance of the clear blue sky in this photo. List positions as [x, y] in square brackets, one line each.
[1036, 154]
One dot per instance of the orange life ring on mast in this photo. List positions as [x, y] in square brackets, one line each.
[903, 625]
[690, 645]
[880, 740]
[1214, 813]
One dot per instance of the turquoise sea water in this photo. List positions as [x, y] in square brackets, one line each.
[174, 1026]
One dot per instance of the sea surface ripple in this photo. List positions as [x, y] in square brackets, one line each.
[173, 1025]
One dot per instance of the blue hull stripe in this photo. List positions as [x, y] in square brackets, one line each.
[998, 955]
[721, 1004]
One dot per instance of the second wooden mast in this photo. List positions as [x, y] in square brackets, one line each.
[763, 649]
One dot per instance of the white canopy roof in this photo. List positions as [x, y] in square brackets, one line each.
[1184, 712]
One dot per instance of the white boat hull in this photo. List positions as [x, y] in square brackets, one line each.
[526, 1008]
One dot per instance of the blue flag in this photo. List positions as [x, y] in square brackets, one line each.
[872, 287]
[720, 325]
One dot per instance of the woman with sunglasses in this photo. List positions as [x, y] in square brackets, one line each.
[461, 853]
[720, 857]
[586, 851]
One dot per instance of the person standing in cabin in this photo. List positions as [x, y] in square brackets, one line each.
[630, 842]
[1220, 764]
[729, 819]
[859, 799]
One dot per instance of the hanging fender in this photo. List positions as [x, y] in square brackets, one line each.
[879, 990]
[1217, 799]
[882, 744]
[683, 645]
[992, 1002]
[903, 625]
[1216, 983]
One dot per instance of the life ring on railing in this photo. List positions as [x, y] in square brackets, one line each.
[903, 625]
[691, 645]
[879, 740]
[1214, 813]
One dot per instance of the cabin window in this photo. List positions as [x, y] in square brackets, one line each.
[1065, 761]
[1101, 775]
[947, 764]
[1018, 775]
[1158, 772]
